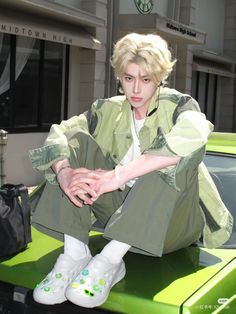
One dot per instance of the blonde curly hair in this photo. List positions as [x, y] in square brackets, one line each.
[150, 51]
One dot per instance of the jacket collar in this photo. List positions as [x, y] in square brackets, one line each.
[154, 103]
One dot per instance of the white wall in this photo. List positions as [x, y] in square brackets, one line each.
[210, 18]
[18, 166]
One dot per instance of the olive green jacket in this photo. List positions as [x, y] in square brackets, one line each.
[174, 126]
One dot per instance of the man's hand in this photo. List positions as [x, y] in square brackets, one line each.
[80, 179]
[100, 181]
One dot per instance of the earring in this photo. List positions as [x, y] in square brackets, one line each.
[120, 89]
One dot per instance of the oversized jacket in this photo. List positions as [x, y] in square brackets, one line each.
[174, 126]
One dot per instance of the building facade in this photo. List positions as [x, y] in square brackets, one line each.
[202, 36]
[54, 61]
[52, 66]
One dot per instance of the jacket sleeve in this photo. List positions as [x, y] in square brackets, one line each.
[218, 220]
[190, 130]
[187, 137]
[56, 145]
[190, 133]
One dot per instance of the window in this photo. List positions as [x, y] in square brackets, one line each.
[33, 83]
[204, 90]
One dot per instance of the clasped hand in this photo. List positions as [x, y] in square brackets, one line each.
[84, 186]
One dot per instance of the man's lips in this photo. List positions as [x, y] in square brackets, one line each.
[136, 99]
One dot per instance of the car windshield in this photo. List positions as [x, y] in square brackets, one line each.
[223, 171]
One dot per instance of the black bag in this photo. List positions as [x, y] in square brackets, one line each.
[15, 216]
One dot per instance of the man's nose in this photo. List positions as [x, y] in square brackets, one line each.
[137, 87]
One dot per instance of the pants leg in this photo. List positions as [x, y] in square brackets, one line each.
[152, 217]
[56, 215]
[155, 218]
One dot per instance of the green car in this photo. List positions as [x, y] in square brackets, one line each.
[189, 281]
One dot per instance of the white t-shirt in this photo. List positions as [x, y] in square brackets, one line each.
[134, 150]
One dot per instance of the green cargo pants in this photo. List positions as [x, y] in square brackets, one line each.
[153, 217]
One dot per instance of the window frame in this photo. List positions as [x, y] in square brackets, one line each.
[12, 103]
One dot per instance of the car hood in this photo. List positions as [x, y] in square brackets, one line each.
[152, 285]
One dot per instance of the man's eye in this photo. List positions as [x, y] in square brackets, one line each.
[128, 78]
[146, 80]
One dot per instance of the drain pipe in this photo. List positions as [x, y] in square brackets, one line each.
[3, 145]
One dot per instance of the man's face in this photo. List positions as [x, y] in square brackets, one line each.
[137, 86]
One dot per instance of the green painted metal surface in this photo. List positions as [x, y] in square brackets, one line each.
[28, 267]
[227, 307]
[222, 142]
[216, 295]
[152, 285]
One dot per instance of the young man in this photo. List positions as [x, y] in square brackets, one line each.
[133, 161]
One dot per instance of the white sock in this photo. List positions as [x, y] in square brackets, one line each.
[75, 248]
[114, 251]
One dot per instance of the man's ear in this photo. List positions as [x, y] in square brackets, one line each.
[120, 88]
